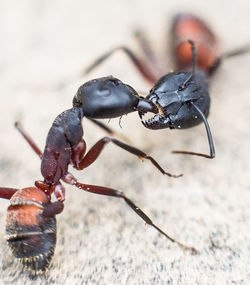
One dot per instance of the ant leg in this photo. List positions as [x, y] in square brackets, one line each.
[142, 67]
[53, 209]
[209, 135]
[102, 126]
[236, 52]
[80, 161]
[151, 57]
[114, 193]
[7, 193]
[96, 149]
[29, 140]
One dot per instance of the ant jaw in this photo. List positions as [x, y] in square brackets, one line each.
[156, 122]
[145, 106]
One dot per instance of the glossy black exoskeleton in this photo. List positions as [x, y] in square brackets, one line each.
[31, 216]
[182, 97]
[108, 97]
[173, 98]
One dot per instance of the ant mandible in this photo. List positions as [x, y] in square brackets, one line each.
[31, 222]
[182, 97]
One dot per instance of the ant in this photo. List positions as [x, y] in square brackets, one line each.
[31, 216]
[182, 97]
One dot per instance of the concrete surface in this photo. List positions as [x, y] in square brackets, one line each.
[44, 45]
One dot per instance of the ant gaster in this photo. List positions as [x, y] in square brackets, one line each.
[31, 222]
[182, 97]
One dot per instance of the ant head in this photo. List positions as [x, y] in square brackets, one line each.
[173, 95]
[106, 97]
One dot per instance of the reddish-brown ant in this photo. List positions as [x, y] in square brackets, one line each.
[31, 222]
[182, 97]
[179, 100]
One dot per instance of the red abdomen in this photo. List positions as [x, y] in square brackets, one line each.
[188, 27]
[31, 236]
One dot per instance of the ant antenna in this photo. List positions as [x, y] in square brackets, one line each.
[209, 136]
[194, 57]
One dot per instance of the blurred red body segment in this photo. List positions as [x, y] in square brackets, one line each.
[188, 27]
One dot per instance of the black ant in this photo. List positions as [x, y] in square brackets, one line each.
[182, 97]
[31, 222]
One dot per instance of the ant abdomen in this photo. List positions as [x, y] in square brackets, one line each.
[188, 27]
[30, 234]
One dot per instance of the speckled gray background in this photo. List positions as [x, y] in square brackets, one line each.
[45, 44]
